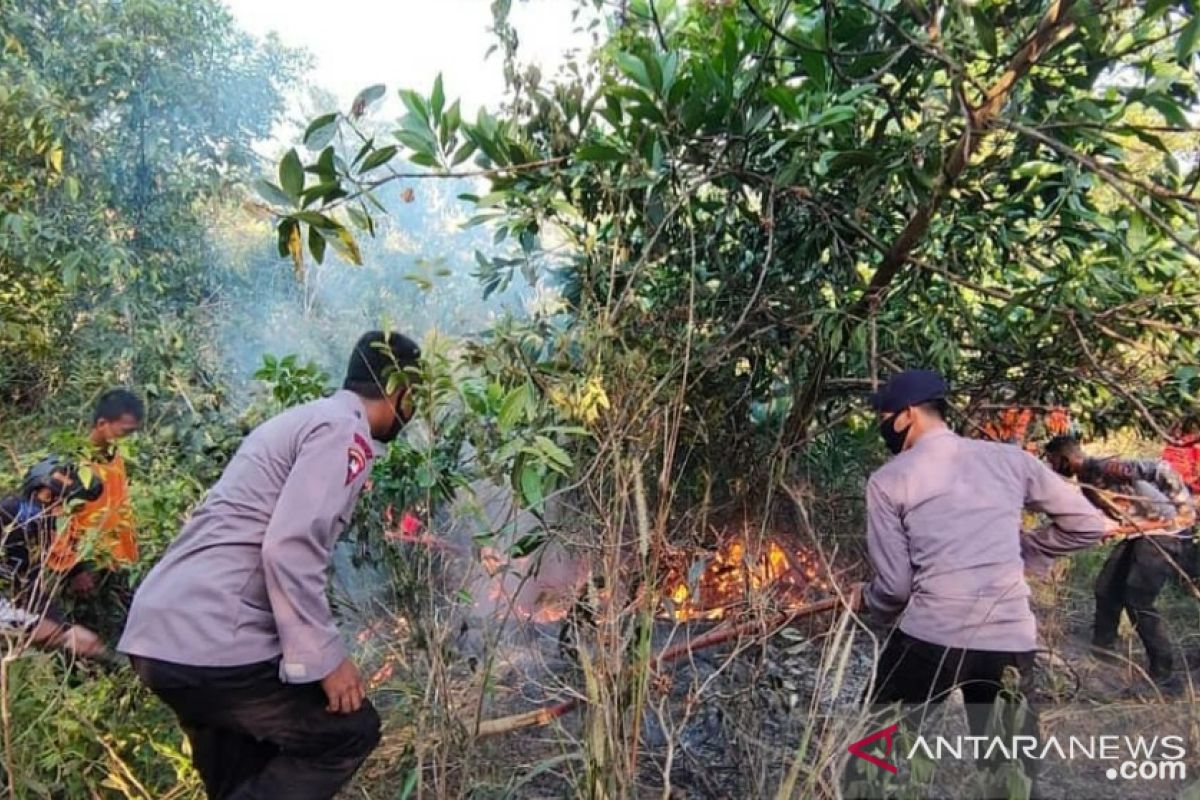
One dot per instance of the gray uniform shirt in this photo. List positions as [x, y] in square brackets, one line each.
[245, 580]
[944, 538]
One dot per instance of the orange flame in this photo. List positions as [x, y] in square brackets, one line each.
[734, 572]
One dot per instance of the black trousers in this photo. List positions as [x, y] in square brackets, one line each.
[254, 737]
[105, 610]
[916, 672]
[1131, 579]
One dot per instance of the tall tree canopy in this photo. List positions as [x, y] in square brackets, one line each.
[121, 122]
[757, 207]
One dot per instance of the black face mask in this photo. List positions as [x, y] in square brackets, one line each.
[893, 438]
[398, 423]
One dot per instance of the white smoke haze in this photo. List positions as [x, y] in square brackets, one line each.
[416, 278]
[417, 271]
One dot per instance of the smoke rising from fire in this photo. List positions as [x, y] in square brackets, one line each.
[416, 277]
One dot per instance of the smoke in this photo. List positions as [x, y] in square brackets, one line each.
[416, 277]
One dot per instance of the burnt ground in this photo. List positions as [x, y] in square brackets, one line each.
[728, 724]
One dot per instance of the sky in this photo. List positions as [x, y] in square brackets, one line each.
[405, 43]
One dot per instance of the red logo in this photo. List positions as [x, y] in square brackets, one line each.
[859, 748]
[357, 456]
[356, 462]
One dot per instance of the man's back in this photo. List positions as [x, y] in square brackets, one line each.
[945, 520]
[258, 546]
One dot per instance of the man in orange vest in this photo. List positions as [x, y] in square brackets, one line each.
[100, 537]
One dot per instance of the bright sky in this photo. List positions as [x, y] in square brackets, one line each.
[405, 43]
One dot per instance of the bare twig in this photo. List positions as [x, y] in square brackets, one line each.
[547, 714]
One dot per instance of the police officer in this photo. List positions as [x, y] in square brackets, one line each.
[949, 560]
[232, 629]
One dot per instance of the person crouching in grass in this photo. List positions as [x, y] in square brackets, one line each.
[28, 613]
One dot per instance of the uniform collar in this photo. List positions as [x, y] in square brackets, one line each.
[354, 404]
[932, 436]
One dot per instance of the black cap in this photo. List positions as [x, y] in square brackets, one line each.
[909, 388]
[375, 355]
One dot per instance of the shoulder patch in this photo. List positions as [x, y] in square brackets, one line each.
[357, 456]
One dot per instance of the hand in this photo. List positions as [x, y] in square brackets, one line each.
[344, 688]
[493, 561]
[84, 583]
[83, 642]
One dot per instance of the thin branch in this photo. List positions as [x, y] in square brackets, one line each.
[1094, 165]
[475, 173]
[1108, 178]
[1116, 385]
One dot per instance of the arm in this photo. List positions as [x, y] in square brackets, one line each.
[887, 593]
[1160, 474]
[1076, 523]
[297, 549]
[1167, 495]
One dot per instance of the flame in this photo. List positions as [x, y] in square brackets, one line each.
[729, 576]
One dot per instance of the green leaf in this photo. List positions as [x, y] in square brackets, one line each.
[410, 784]
[464, 152]
[528, 543]
[369, 95]
[531, 488]
[784, 99]
[346, 246]
[322, 191]
[598, 153]
[1185, 45]
[424, 477]
[553, 453]
[291, 174]
[359, 219]
[832, 116]
[320, 131]
[325, 167]
[316, 244]
[285, 229]
[1170, 110]
[984, 30]
[1136, 237]
[414, 103]
[512, 408]
[437, 99]
[1037, 169]
[272, 193]
[635, 69]
[379, 157]
[319, 220]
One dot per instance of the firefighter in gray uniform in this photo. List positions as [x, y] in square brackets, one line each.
[232, 629]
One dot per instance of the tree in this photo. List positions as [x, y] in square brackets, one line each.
[771, 204]
[121, 123]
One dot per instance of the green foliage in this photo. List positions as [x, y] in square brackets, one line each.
[468, 426]
[77, 731]
[802, 196]
[292, 383]
[122, 125]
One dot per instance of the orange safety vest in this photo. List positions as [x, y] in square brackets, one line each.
[1185, 458]
[108, 518]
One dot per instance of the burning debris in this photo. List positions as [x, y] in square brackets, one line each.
[714, 584]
